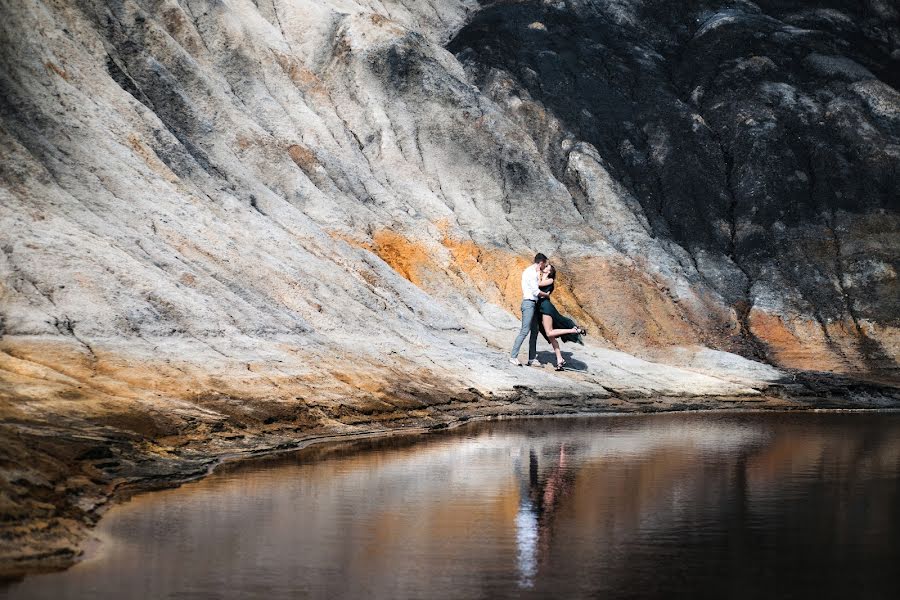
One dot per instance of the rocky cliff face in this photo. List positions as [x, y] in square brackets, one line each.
[226, 225]
[762, 138]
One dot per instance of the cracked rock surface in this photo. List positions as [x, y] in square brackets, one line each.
[761, 137]
[235, 227]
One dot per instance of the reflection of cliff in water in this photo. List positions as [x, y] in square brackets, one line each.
[611, 507]
[637, 475]
[610, 513]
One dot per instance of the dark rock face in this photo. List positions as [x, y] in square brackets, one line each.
[768, 133]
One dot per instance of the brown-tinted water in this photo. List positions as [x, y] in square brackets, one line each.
[689, 505]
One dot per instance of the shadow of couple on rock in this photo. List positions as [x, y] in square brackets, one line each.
[572, 363]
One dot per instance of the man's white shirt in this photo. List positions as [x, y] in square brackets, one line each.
[530, 277]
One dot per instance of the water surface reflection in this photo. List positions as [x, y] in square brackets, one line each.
[654, 506]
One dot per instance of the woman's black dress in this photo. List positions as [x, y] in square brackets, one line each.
[545, 307]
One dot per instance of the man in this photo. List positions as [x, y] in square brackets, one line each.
[530, 294]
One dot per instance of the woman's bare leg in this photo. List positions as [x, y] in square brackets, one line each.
[555, 333]
[555, 343]
[548, 326]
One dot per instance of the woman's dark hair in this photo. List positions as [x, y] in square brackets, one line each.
[552, 273]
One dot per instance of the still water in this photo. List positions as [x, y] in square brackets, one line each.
[689, 505]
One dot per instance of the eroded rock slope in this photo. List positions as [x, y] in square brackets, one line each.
[761, 137]
[229, 225]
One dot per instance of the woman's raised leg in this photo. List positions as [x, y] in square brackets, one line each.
[555, 333]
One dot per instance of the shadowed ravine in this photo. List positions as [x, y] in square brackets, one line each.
[230, 228]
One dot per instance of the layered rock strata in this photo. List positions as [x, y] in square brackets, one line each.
[760, 137]
[229, 227]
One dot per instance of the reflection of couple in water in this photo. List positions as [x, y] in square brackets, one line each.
[537, 510]
[539, 314]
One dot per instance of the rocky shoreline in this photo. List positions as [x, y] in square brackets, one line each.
[53, 534]
[234, 228]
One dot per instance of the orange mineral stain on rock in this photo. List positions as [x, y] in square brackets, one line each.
[306, 159]
[494, 272]
[617, 300]
[410, 259]
[305, 80]
[633, 310]
[801, 343]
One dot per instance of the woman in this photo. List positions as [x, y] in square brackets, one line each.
[553, 324]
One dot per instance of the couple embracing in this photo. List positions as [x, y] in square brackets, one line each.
[539, 314]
